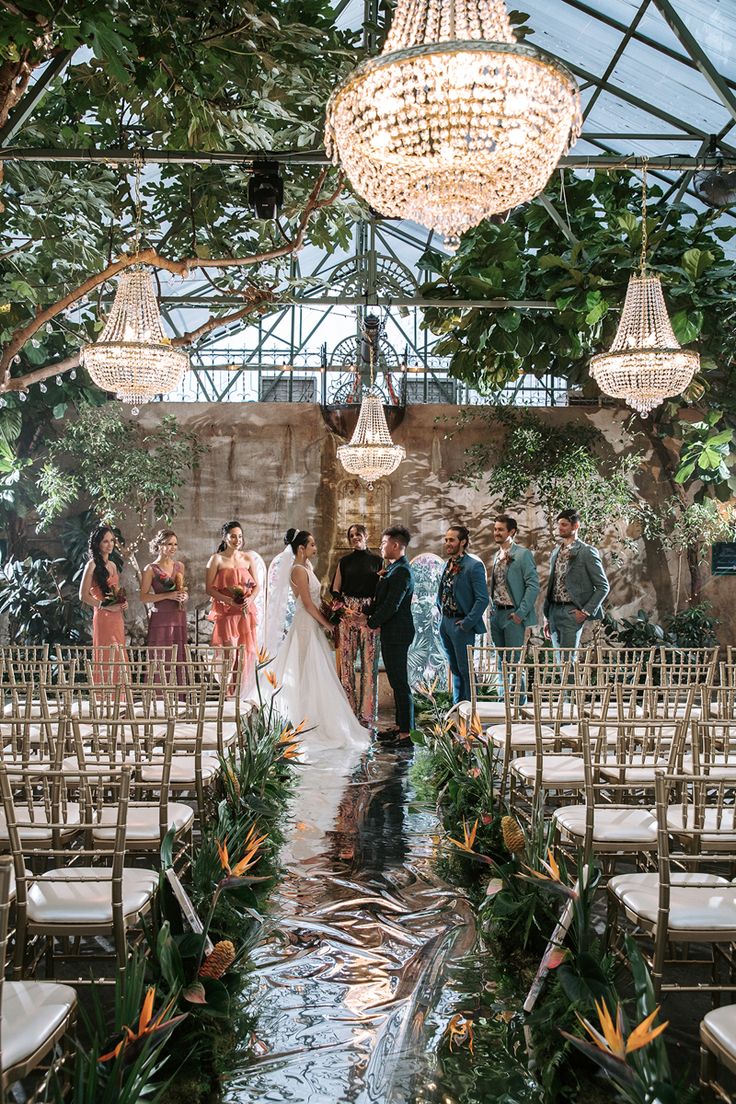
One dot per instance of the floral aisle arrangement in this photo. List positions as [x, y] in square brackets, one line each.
[558, 993]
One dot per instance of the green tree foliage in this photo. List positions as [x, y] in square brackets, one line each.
[242, 76]
[127, 473]
[583, 271]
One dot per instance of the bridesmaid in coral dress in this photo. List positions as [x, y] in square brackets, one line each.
[99, 587]
[232, 586]
[163, 588]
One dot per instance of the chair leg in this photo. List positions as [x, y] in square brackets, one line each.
[708, 1069]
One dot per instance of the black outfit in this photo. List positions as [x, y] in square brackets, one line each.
[391, 613]
[359, 573]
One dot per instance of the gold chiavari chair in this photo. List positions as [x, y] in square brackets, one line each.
[556, 766]
[688, 900]
[34, 1015]
[621, 760]
[82, 892]
[486, 665]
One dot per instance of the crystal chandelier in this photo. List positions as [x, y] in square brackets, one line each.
[133, 356]
[646, 362]
[371, 453]
[455, 120]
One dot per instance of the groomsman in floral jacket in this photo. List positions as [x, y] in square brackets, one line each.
[462, 600]
[514, 586]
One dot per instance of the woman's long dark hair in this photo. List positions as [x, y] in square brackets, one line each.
[100, 572]
[224, 532]
[297, 538]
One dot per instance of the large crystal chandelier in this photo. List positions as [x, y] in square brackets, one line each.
[133, 356]
[455, 120]
[646, 362]
[371, 453]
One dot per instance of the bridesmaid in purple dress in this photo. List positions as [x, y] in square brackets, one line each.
[163, 588]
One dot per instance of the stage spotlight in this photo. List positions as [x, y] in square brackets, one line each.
[266, 189]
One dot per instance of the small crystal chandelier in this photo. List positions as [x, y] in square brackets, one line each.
[371, 453]
[133, 357]
[455, 120]
[646, 362]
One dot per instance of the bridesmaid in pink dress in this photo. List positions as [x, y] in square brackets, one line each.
[100, 581]
[167, 623]
[234, 615]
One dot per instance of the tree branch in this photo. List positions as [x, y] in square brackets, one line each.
[156, 260]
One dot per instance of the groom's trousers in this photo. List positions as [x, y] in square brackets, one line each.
[394, 654]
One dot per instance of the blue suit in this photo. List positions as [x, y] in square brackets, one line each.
[471, 599]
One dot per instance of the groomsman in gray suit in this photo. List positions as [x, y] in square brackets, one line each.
[577, 584]
[514, 586]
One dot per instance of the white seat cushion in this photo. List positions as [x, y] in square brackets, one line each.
[522, 735]
[564, 771]
[720, 766]
[720, 1025]
[485, 710]
[32, 824]
[639, 772]
[83, 895]
[33, 1011]
[723, 835]
[613, 828]
[142, 824]
[699, 903]
[182, 769]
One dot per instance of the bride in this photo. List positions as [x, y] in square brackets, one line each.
[309, 690]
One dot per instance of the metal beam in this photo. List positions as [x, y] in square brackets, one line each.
[701, 59]
[637, 101]
[33, 96]
[571, 161]
[638, 36]
[360, 301]
[616, 56]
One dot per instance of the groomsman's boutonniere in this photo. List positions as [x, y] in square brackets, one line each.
[382, 573]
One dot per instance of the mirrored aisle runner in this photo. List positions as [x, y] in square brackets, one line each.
[352, 987]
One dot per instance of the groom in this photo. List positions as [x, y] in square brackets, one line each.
[391, 613]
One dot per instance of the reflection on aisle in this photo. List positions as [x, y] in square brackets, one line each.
[363, 934]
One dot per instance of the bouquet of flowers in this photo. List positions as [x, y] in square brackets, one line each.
[333, 609]
[115, 597]
[240, 593]
[173, 582]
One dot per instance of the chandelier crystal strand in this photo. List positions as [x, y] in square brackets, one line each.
[646, 363]
[371, 453]
[133, 357]
[454, 121]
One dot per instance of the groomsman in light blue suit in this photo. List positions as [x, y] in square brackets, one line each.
[462, 599]
[514, 586]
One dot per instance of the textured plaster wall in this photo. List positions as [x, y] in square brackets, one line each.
[273, 465]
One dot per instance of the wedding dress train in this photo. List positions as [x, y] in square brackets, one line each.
[334, 742]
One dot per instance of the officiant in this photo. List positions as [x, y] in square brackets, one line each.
[354, 585]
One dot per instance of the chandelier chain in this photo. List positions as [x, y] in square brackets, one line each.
[644, 231]
[138, 202]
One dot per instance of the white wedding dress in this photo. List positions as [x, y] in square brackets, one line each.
[334, 741]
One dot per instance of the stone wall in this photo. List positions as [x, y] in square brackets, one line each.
[273, 465]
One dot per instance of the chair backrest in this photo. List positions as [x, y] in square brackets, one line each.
[486, 666]
[45, 802]
[714, 746]
[696, 825]
[623, 756]
[684, 666]
[32, 741]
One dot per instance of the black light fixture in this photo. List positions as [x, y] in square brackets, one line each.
[266, 189]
